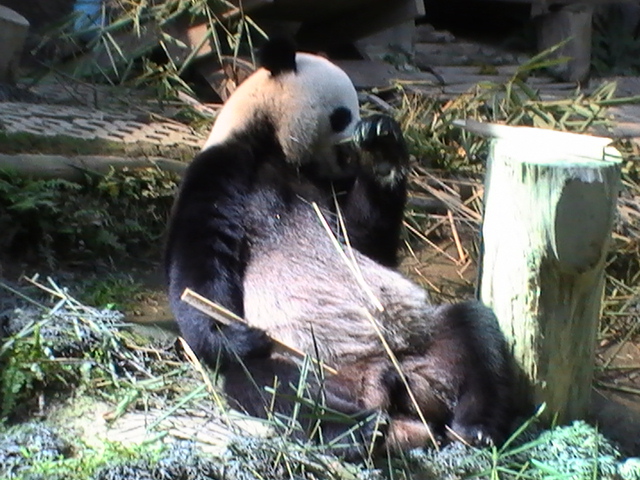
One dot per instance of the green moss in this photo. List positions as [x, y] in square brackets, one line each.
[34, 451]
[113, 291]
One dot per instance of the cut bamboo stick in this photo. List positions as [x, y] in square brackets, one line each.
[227, 317]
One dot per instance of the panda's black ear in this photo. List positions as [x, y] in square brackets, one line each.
[278, 55]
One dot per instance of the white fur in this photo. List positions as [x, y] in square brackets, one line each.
[299, 104]
[289, 288]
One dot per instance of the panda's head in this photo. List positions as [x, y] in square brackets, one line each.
[310, 103]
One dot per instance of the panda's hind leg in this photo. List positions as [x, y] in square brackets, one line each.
[329, 413]
[480, 372]
[378, 386]
[460, 379]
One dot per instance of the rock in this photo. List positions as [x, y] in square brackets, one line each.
[13, 32]
[426, 33]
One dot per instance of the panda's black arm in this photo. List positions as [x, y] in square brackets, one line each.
[374, 206]
[206, 251]
[373, 217]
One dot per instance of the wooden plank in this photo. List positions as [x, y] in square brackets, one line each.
[626, 130]
[376, 73]
[475, 79]
[447, 70]
[248, 5]
[225, 78]
[309, 10]
[461, 54]
[461, 47]
[322, 10]
[193, 34]
[74, 168]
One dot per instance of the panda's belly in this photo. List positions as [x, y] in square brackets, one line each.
[301, 291]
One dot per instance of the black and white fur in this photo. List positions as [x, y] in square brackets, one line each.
[244, 233]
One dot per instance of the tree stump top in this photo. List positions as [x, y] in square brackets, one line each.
[546, 147]
[12, 16]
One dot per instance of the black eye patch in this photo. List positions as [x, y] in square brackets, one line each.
[340, 119]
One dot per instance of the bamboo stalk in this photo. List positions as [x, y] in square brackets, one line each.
[227, 317]
[456, 238]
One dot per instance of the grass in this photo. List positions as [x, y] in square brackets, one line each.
[141, 382]
[449, 164]
[138, 46]
[454, 177]
[116, 291]
[79, 467]
[154, 400]
[121, 214]
[436, 143]
[126, 374]
[449, 167]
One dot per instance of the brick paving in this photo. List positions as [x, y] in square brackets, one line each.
[90, 123]
[82, 110]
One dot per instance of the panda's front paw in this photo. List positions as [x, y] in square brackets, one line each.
[248, 342]
[383, 150]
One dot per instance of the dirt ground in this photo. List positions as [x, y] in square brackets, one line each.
[616, 411]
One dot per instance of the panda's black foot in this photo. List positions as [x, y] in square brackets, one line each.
[475, 435]
[383, 150]
[358, 441]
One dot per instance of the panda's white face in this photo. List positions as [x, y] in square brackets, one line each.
[313, 109]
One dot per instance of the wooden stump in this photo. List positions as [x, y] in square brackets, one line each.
[550, 201]
[571, 23]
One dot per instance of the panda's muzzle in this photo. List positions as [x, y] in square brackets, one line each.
[347, 157]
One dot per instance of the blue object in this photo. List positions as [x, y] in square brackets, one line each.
[88, 14]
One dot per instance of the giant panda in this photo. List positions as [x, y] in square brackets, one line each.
[290, 217]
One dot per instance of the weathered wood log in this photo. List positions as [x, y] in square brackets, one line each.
[550, 201]
[75, 168]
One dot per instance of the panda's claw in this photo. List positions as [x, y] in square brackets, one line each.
[383, 150]
[474, 435]
[380, 131]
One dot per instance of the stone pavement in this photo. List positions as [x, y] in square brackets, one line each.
[90, 123]
[627, 117]
[87, 111]
[81, 110]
